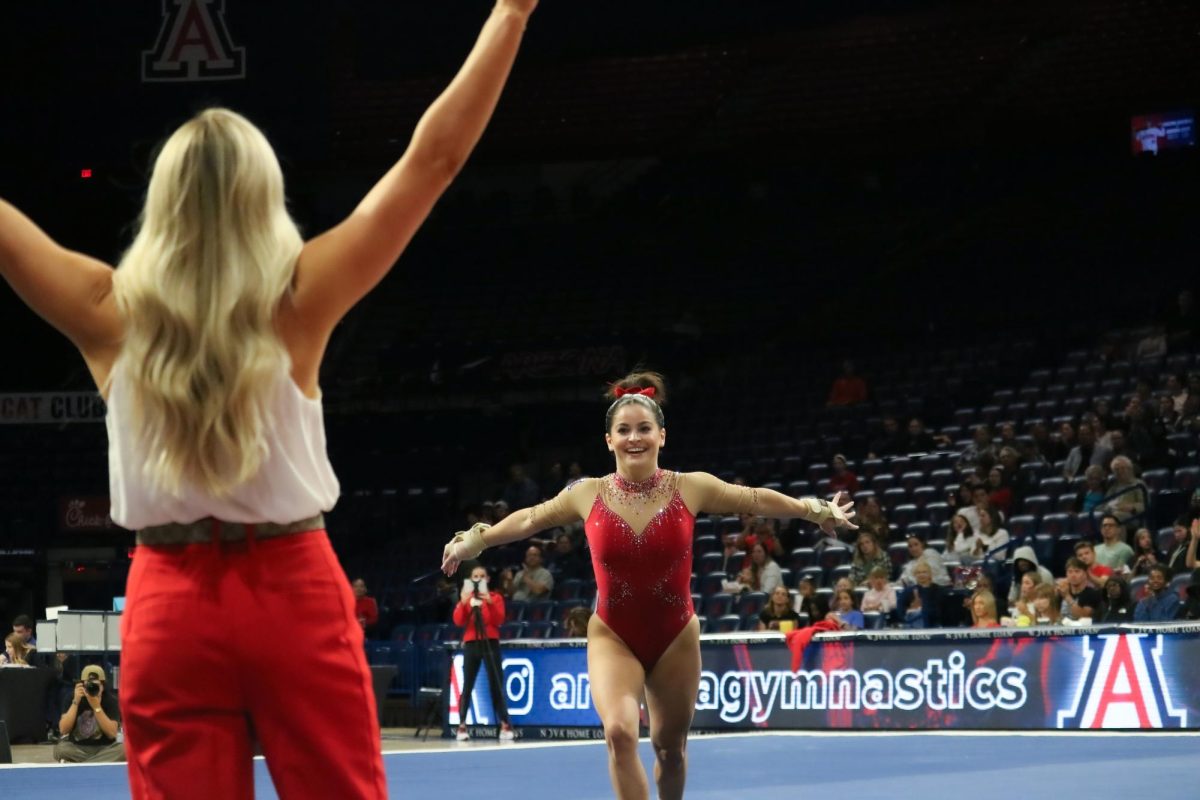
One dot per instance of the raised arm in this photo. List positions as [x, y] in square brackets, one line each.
[337, 268]
[564, 508]
[71, 291]
[703, 492]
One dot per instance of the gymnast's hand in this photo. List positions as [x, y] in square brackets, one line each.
[465, 546]
[842, 508]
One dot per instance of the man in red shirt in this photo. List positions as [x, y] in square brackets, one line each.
[1098, 574]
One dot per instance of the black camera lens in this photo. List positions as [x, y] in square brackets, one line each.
[92, 688]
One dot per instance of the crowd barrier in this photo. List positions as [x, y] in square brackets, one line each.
[1115, 676]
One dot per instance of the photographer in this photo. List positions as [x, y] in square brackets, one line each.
[481, 613]
[89, 723]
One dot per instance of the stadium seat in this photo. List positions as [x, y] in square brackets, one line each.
[539, 611]
[1157, 479]
[882, 482]
[718, 605]
[728, 623]
[543, 629]
[709, 563]
[1180, 584]
[802, 557]
[839, 572]
[512, 630]
[831, 557]
[712, 583]
[514, 610]
[1186, 479]
[706, 544]
[570, 589]
[815, 573]
[872, 620]
[903, 515]
[1056, 524]
[924, 495]
[1021, 526]
[1037, 505]
[937, 513]
[751, 602]
[894, 497]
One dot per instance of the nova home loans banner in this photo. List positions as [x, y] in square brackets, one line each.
[1104, 677]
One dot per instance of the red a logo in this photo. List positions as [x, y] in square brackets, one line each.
[193, 45]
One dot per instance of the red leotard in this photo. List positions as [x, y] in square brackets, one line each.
[643, 579]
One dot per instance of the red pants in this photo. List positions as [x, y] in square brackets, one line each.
[226, 643]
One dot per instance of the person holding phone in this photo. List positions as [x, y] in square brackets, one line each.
[481, 613]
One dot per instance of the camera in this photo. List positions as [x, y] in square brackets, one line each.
[92, 687]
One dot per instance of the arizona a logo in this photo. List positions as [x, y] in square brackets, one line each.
[193, 45]
[1123, 686]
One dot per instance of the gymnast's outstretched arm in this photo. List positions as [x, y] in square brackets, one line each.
[703, 492]
[564, 508]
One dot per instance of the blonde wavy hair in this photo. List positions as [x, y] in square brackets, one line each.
[198, 291]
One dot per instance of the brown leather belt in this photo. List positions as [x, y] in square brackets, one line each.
[205, 530]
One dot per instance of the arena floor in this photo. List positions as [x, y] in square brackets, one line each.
[755, 765]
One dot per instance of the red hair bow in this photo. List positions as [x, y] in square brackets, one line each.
[621, 391]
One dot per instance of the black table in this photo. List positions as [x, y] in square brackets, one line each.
[23, 701]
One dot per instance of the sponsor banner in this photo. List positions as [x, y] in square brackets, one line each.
[50, 408]
[85, 514]
[1123, 677]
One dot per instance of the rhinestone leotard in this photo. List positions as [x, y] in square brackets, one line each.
[643, 578]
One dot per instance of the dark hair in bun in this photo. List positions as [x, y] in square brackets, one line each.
[625, 391]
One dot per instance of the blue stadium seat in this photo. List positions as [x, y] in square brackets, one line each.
[1021, 526]
[937, 513]
[1056, 524]
[728, 623]
[1186, 479]
[872, 621]
[752, 602]
[924, 495]
[799, 488]
[838, 572]
[1165, 539]
[718, 605]
[898, 553]
[882, 482]
[569, 589]
[894, 497]
[539, 611]
[925, 530]
[1053, 485]
[543, 629]
[911, 480]
[1180, 584]
[1037, 505]
[512, 630]
[710, 562]
[817, 574]
[903, 515]
[1043, 545]
[802, 557]
[706, 544]
[711, 584]
[1157, 479]
[831, 557]
[941, 477]
[514, 610]
[871, 467]
[403, 633]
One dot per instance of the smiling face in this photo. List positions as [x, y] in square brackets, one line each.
[635, 439]
[780, 598]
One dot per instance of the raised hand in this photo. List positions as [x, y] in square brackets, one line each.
[842, 507]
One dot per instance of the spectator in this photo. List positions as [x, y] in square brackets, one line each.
[1176, 557]
[23, 626]
[534, 581]
[577, 621]
[758, 530]
[1025, 560]
[871, 520]
[1093, 492]
[765, 573]
[480, 613]
[500, 510]
[778, 609]
[1167, 416]
[1128, 494]
[867, 556]
[992, 537]
[842, 479]
[983, 610]
[1023, 611]
[1189, 560]
[1112, 552]
[847, 617]
[1040, 445]
[1118, 606]
[890, 442]
[89, 723]
[566, 563]
[1000, 496]
[1145, 553]
[366, 610]
[1081, 601]
[918, 439]
[1176, 391]
[919, 555]
[881, 596]
[920, 604]
[1086, 453]
[16, 651]
[1159, 604]
[521, 491]
[1061, 448]
[1182, 323]
[1190, 610]
[980, 452]
[964, 543]
[848, 389]
[808, 601]
[1047, 604]
[1098, 573]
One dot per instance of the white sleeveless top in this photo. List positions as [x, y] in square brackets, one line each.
[295, 481]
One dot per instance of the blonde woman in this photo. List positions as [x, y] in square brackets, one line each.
[16, 651]
[207, 342]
